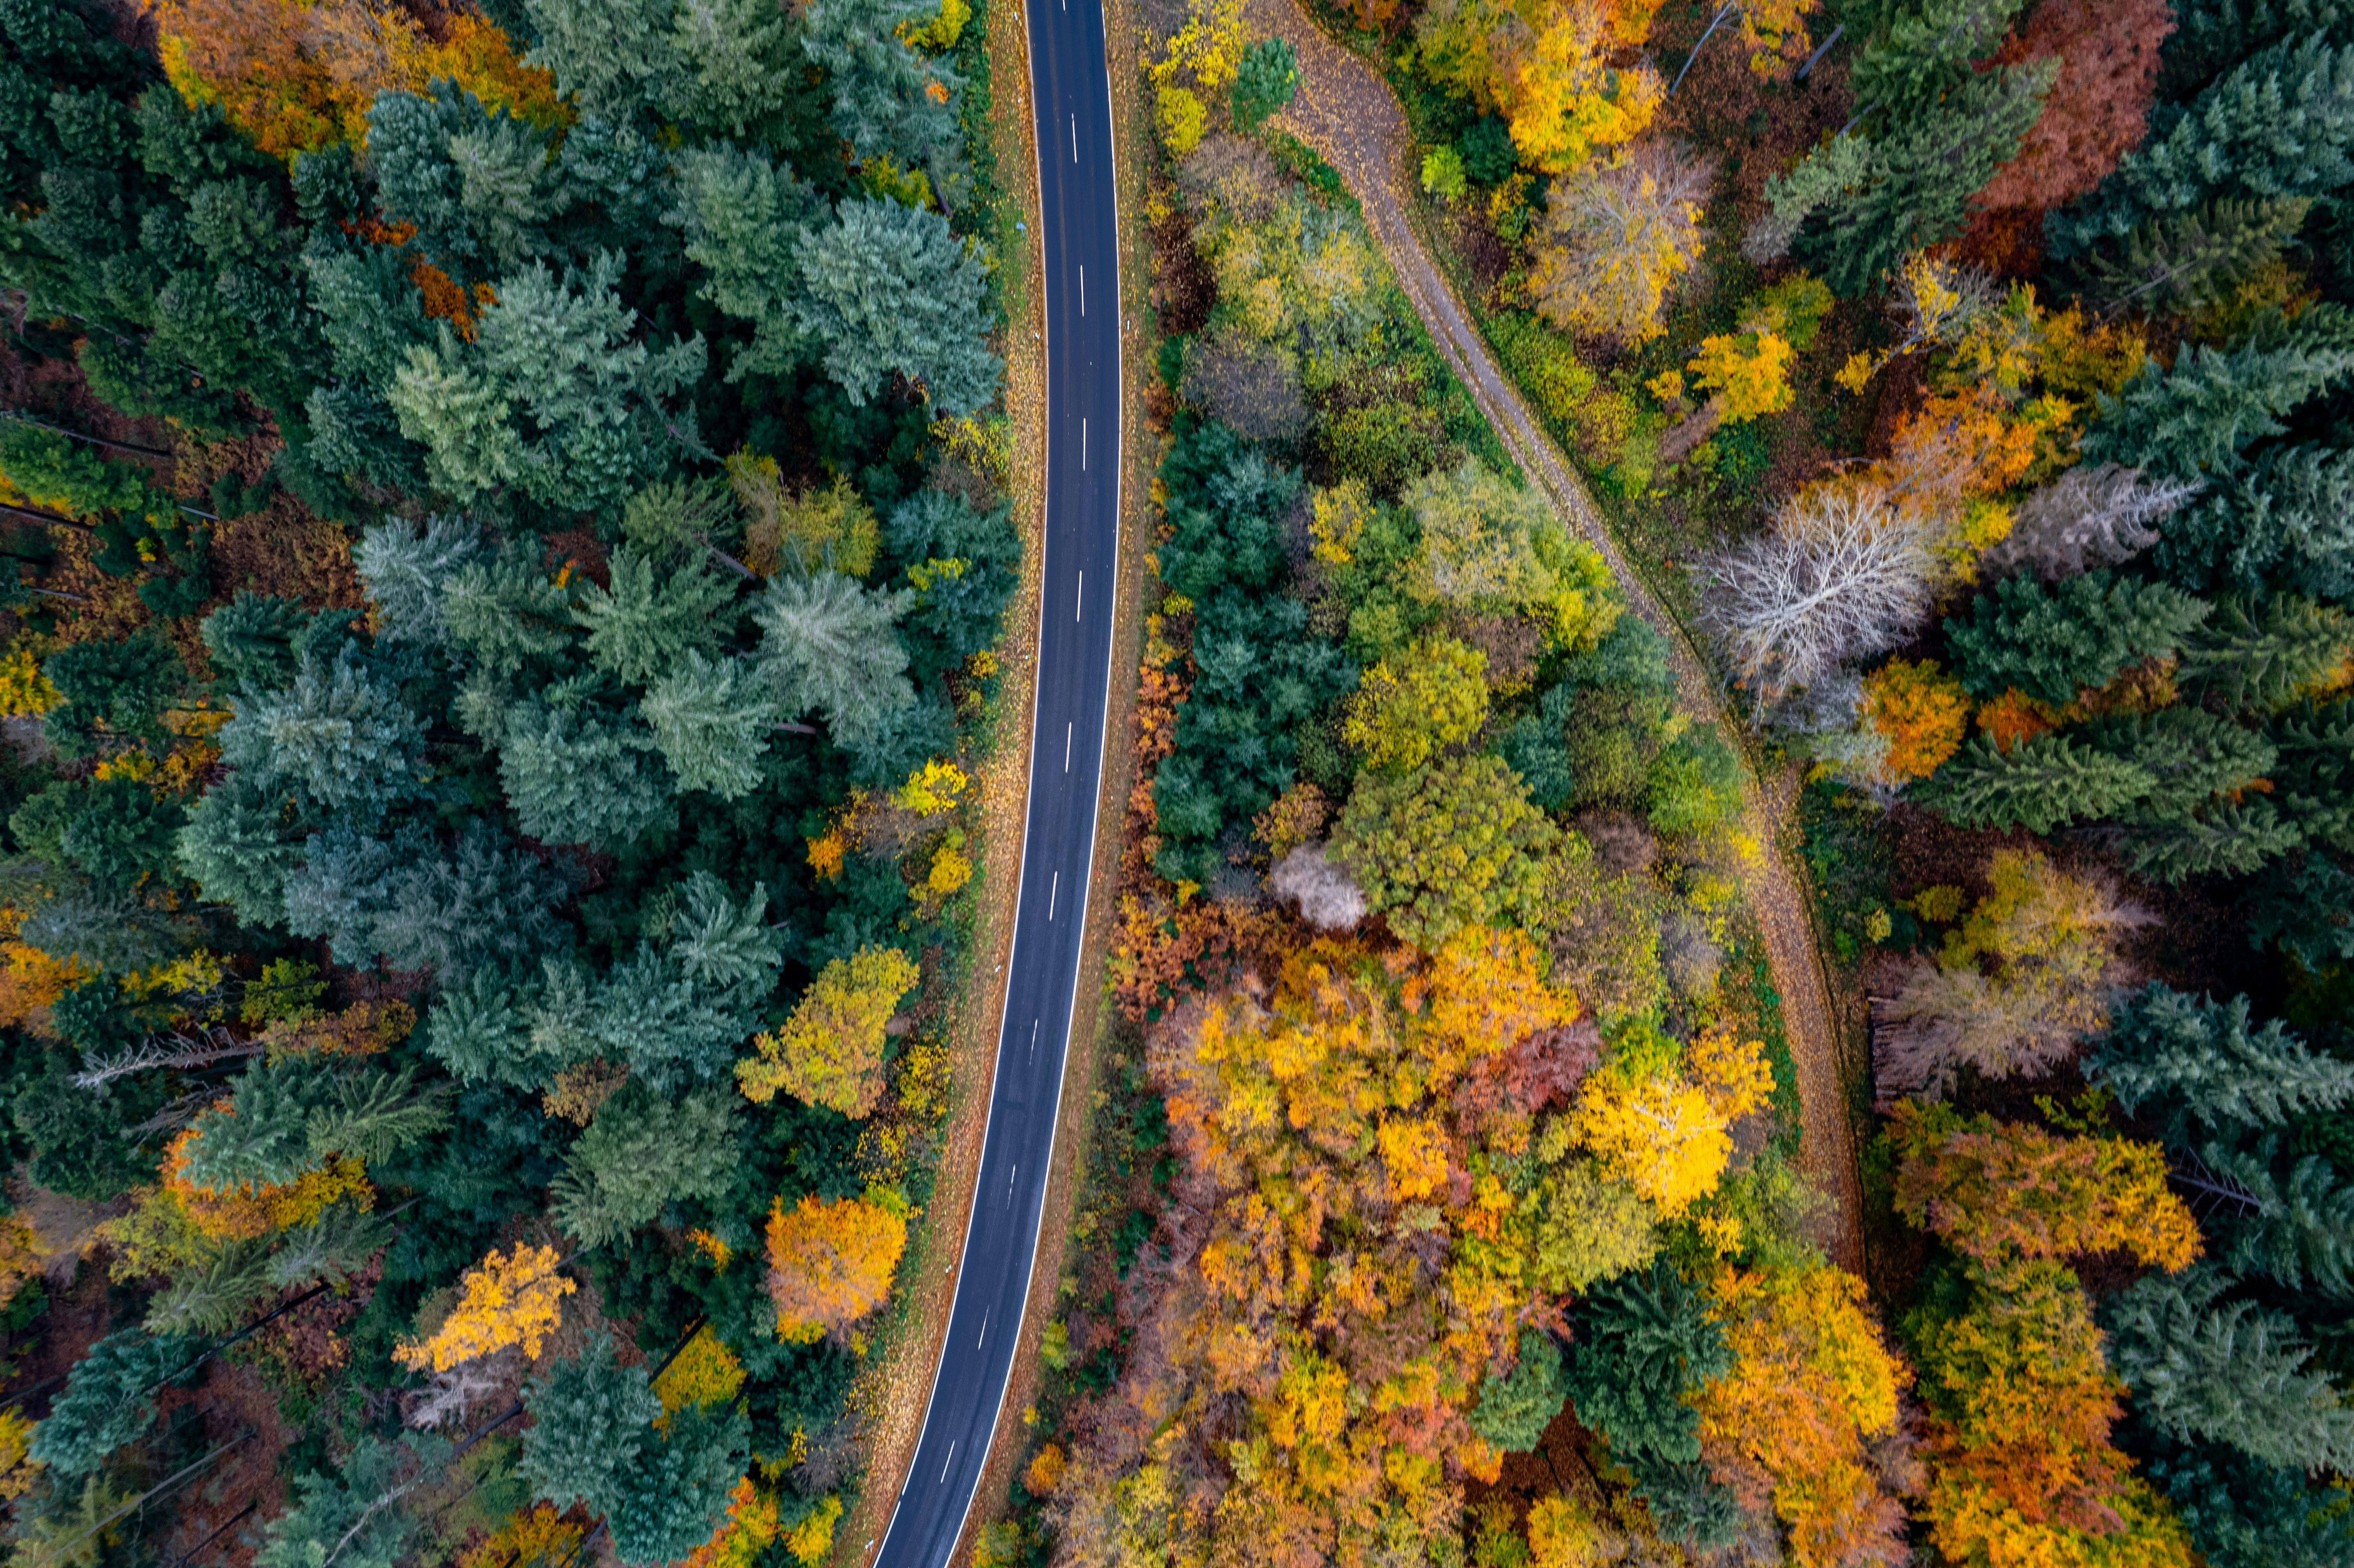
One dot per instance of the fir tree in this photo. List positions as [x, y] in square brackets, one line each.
[2283, 521]
[406, 573]
[741, 216]
[888, 101]
[2220, 839]
[2304, 904]
[711, 720]
[886, 288]
[641, 1152]
[2051, 642]
[582, 774]
[122, 687]
[2180, 262]
[209, 1297]
[827, 644]
[2211, 36]
[1911, 187]
[671, 1499]
[2279, 125]
[1642, 1341]
[2196, 416]
[2284, 1215]
[122, 832]
[353, 1517]
[2242, 1514]
[648, 620]
[338, 739]
[1515, 1410]
[108, 1399]
[2202, 1062]
[2265, 657]
[2228, 1372]
[508, 616]
[2191, 755]
[1924, 51]
[590, 1419]
[1264, 82]
[252, 640]
[2039, 785]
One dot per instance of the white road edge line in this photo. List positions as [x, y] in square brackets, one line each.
[1095, 822]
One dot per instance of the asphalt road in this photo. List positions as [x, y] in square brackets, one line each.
[1071, 87]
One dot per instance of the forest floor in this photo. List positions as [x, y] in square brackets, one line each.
[1348, 114]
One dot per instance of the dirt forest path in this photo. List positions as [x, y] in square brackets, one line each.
[1348, 114]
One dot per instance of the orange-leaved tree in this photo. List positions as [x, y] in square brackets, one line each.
[831, 1261]
[517, 1300]
[830, 1052]
[1922, 714]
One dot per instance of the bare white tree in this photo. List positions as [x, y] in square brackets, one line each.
[1843, 573]
[1328, 896]
[2089, 516]
[1617, 236]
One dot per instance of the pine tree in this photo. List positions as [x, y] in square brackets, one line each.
[2175, 263]
[2220, 840]
[1911, 188]
[886, 288]
[2266, 657]
[124, 833]
[711, 720]
[2039, 785]
[2286, 1216]
[2279, 125]
[829, 645]
[1264, 82]
[251, 639]
[108, 1399]
[1640, 1342]
[338, 739]
[2210, 35]
[508, 616]
[2196, 416]
[123, 686]
[2077, 634]
[641, 1152]
[1515, 1410]
[355, 1514]
[2241, 1514]
[741, 213]
[958, 612]
[2200, 1062]
[407, 571]
[888, 101]
[2191, 755]
[580, 774]
[2306, 904]
[2283, 521]
[481, 903]
[647, 622]
[2227, 1372]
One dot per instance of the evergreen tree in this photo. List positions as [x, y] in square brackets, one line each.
[482, 902]
[590, 1420]
[2211, 36]
[2196, 416]
[2190, 754]
[2176, 262]
[2200, 1062]
[741, 216]
[2288, 1216]
[2220, 839]
[2039, 785]
[354, 1517]
[711, 720]
[1264, 82]
[236, 847]
[123, 686]
[1641, 1341]
[888, 101]
[292, 1115]
[671, 1499]
[2265, 657]
[2051, 642]
[962, 610]
[1911, 187]
[2279, 125]
[122, 832]
[2283, 521]
[407, 572]
[339, 739]
[508, 616]
[2242, 1514]
[648, 620]
[582, 774]
[2228, 1372]
[2306, 905]
[1515, 1410]
[828, 645]
[108, 1399]
[1922, 51]
[252, 640]
[887, 288]
[641, 1152]
[1537, 749]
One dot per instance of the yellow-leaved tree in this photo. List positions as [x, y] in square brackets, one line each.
[1417, 703]
[517, 1300]
[1660, 1126]
[830, 1262]
[1565, 100]
[830, 1052]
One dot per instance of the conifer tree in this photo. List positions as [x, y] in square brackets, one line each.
[2287, 1215]
[886, 288]
[590, 1419]
[2225, 838]
[2226, 1371]
[356, 1512]
[888, 101]
[2306, 904]
[2285, 521]
[2202, 1064]
[648, 619]
[640, 1153]
[2039, 784]
[2242, 1514]
[676, 1493]
[828, 644]
[1922, 51]
[2279, 125]
[711, 720]
[2210, 35]
[1642, 1341]
[2052, 642]
[2176, 262]
[2191, 755]
[2196, 416]
[582, 774]
[2265, 657]
[252, 640]
[508, 616]
[339, 739]
[1515, 1410]
[108, 1399]
[407, 571]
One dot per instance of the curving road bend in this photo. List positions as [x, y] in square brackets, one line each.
[1071, 89]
